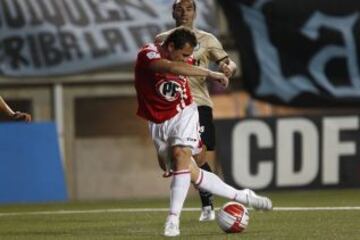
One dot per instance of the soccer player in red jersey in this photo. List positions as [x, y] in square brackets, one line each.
[209, 50]
[164, 99]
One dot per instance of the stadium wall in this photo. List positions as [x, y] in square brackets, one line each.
[30, 165]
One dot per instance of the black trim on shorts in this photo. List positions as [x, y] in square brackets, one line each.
[207, 132]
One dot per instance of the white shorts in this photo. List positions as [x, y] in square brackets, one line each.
[180, 130]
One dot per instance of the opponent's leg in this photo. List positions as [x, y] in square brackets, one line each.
[207, 133]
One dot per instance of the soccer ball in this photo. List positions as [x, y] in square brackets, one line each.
[233, 217]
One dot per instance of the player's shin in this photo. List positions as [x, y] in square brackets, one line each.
[212, 183]
[206, 197]
[178, 191]
[208, 181]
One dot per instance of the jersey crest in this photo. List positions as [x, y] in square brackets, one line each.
[170, 90]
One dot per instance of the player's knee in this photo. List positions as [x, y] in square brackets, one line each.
[181, 157]
[200, 159]
[162, 164]
[194, 171]
[181, 152]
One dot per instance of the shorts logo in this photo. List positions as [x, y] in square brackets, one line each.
[191, 139]
[170, 90]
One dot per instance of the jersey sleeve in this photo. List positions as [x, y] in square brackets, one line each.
[216, 50]
[146, 56]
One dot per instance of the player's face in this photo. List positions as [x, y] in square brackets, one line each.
[180, 55]
[184, 13]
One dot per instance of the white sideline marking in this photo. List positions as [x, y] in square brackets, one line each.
[124, 210]
[293, 209]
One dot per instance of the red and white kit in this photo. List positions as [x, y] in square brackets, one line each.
[165, 101]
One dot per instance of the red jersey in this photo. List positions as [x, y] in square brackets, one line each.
[160, 96]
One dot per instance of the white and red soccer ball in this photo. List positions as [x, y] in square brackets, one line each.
[233, 217]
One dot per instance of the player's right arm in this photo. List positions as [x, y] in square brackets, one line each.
[181, 68]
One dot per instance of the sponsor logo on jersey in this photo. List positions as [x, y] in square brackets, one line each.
[170, 90]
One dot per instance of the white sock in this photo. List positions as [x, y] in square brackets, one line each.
[179, 188]
[211, 183]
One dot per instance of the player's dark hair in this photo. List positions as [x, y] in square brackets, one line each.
[180, 37]
[176, 2]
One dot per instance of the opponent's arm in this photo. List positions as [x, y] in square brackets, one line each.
[158, 39]
[218, 55]
[228, 67]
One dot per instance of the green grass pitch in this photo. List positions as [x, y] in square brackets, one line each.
[113, 220]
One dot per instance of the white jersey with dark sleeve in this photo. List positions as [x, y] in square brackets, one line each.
[208, 50]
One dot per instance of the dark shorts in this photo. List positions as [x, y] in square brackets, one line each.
[207, 131]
